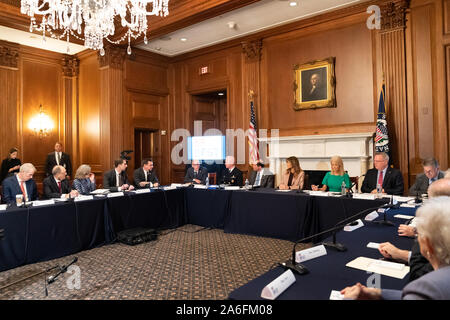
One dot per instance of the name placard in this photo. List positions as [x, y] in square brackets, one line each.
[115, 194]
[278, 286]
[83, 198]
[366, 196]
[311, 253]
[3, 207]
[139, 191]
[38, 203]
[351, 228]
[200, 186]
[371, 216]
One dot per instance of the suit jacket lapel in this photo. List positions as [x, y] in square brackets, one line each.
[387, 176]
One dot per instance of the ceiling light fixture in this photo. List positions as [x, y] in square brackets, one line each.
[293, 4]
[183, 39]
[97, 16]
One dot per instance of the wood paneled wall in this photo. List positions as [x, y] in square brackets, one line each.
[97, 102]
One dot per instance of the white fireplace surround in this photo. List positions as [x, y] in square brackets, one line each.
[314, 152]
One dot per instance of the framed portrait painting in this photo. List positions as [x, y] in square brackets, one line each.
[314, 85]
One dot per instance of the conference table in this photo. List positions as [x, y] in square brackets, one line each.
[329, 272]
[41, 233]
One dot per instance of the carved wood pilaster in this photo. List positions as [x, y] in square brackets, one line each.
[252, 49]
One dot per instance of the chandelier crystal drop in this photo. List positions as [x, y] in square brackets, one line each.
[96, 16]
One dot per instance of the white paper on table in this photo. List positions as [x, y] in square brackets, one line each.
[283, 190]
[200, 186]
[310, 253]
[336, 295]
[351, 228]
[408, 205]
[390, 269]
[61, 199]
[176, 185]
[319, 193]
[100, 191]
[371, 216]
[3, 207]
[403, 216]
[278, 286]
[402, 199]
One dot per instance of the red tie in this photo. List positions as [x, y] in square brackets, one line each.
[59, 186]
[22, 187]
[380, 178]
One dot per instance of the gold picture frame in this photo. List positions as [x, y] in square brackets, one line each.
[314, 85]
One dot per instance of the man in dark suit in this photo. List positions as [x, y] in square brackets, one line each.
[430, 174]
[390, 179]
[58, 158]
[116, 179]
[145, 176]
[196, 174]
[57, 186]
[231, 175]
[21, 183]
[261, 177]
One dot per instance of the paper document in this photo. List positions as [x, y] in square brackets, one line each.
[100, 191]
[403, 216]
[386, 268]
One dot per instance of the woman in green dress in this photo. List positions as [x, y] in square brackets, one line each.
[333, 180]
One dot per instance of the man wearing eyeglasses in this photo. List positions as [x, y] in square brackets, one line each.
[390, 179]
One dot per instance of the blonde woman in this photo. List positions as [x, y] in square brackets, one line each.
[294, 176]
[333, 180]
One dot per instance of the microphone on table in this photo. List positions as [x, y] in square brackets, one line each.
[418, 199]
[385, 221]
[62, 270]
[301, 269]
[340, 247]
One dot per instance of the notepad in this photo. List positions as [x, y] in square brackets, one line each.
[386, 268]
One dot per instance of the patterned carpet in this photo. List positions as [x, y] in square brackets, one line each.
[182, 264]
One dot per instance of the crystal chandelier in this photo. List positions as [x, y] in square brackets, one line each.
[98, 17]
[41, 124]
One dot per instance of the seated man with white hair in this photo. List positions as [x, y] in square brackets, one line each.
[231, 175]
[21, 183]
[433, 225]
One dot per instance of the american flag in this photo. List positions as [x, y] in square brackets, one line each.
[252, 136]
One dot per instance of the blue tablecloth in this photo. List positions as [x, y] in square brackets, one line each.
[47, 232]
[329, 272]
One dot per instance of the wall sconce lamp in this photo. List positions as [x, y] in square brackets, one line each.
[41, 124]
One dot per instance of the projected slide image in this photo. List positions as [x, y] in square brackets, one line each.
[206, 148]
